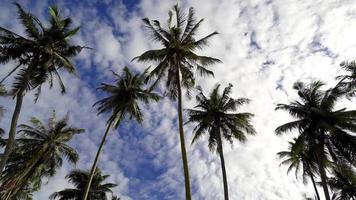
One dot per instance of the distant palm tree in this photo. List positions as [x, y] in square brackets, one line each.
[40, 56]
[297, 158]
[343, 183]
[38, 153]
[348, 82]
[176, 61]
[79, 178]
[123, 101]
[325, 130]
[217, 118]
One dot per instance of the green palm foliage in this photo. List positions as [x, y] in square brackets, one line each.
[343, 184]
[216, 116]
[324, 129]
[298, 158]
[38, 153]
[40, 55]
[122, 102]
[79, 178]
[176, 61]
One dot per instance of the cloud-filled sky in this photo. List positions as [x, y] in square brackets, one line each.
[265, 46]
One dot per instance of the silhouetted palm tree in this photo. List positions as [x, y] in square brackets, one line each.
[40, 56]
[324, 129]
[348, 82]
[79, 178]
[176, 61]
[343, 184]
[123, 101]
[38, 153]
[298, 159]
[215, 116]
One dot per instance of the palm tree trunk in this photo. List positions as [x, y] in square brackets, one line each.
[313, 181]
[12, 133]
[182, 141]
[223, 170]
[322, 171]
[93, 168]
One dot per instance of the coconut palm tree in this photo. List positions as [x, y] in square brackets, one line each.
[343, 184]
[176, 61]
[325, 129]
[297, 158]
[216, 116]
[38, 153]
[348, 82]
[40, 55]
[79, 178]
[122, 102]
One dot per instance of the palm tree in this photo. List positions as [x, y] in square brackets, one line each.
[40, 56]
[216, 117]
[297, 157]
[348, 82]
[38, 152]
[79, 178]
[123, 101]
[343, 184]
[176, 61]
[325, 130]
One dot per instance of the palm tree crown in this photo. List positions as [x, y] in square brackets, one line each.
[79, 178]
[317, 119]
[38, 153]
[177, 57]
[297, 158]
[41, 53]
[216, 115]
[124, 97]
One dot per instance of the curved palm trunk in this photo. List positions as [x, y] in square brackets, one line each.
[12, 132]
[223, 170]
[182, 141]
[93, 168]
[322, 171]
[313, 181]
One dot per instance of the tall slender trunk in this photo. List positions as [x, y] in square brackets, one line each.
[182, 141]
[319, 149]
[223, 170]
[313, 181]
[93, 168]
[12, 133]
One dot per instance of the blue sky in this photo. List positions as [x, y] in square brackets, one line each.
[265, 47]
